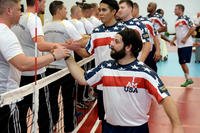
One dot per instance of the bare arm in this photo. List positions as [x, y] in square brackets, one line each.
[44, 45]
[172, 113]
[162, 29]
[145, 51]
[190, 32]
[76, 71]
[157, 55]
[24, 63]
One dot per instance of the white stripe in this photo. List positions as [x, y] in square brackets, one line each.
[95, 126]
[84, 119]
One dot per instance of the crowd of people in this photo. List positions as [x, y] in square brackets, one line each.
[126, 48]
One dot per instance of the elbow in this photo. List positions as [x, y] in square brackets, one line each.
[82, 82]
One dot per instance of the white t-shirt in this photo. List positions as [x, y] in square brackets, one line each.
[88, 25]
[79, 26]
[95, 21]
[25, 31]
[9, 48]
[59, 32]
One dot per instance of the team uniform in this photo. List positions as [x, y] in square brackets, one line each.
[59, 32]
[99, 45]
[25, 31]
[152, 33]
[9, 75]
[132, 86]
[182, 26]
[157, 20]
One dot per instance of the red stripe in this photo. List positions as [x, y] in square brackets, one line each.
[158, 22]
[153, 91]
[150, 28]
[115, 81]
[102, 41]
[89, 123]
[180, 23]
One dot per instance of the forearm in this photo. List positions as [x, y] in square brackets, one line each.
[145, 51]
[76, 71]
[189, 33]
[156, 43]
[162, 29]
[171, 111]
[82, 52]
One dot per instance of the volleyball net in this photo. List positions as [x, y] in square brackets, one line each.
[14, 96]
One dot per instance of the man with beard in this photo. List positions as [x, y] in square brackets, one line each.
[100, 39]
[128, 86]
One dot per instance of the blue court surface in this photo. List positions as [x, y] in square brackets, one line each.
[172, 68]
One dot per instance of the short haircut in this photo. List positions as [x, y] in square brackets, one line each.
[132, 37]
[135, 5]
[113, 5]
[31, 2]
[73, 8]
[128, 2]
[159, 10]
[54, 6]
[180, 6]
[94, 5]
[86, 6]
[6, 3]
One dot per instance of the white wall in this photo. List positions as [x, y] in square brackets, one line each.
[191, 8]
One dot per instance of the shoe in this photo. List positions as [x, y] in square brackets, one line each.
[186, 83]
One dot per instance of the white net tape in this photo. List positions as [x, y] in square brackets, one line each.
[17, 94]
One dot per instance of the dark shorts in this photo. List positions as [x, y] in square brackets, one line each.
[108, 128]
[184, 55]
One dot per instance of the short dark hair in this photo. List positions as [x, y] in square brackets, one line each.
[54, 6]
[128, 2]
[86, 6]
[31, 2]
[180, 6]
[113, 5]
[132, 37]
[6, 3]
[135, 5]
[94, 5]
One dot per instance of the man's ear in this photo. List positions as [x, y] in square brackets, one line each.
[128, 47]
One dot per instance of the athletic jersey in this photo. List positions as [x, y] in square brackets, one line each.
[127, 91]
[182, 26]
[100, 41]
[9, 48]
[89, 27]
[79, 26]
[151, 29]
[25, 31]
[157, 20]
[137, 25]
[59, 32]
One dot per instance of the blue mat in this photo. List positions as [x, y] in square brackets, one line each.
[171, 67]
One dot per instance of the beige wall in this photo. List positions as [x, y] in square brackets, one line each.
[192, 7]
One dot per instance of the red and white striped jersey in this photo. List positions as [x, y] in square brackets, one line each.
[182, 26]
[127, 91]
[100, 41]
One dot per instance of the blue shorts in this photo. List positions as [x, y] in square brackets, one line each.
[108, 128]
[184, 55]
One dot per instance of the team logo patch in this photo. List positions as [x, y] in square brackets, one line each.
[131, 87]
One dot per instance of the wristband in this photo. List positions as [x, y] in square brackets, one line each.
[54, 57]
